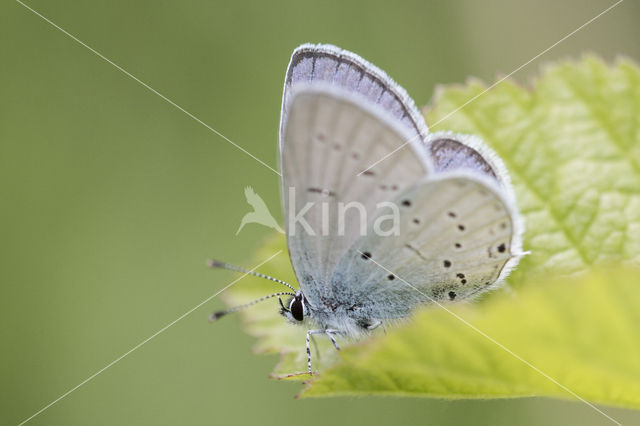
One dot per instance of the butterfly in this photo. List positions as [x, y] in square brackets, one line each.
[381, 215]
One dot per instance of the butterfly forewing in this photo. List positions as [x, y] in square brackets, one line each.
[457, 236]
[328, 138]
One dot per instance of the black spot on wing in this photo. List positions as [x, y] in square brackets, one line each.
[325, 192]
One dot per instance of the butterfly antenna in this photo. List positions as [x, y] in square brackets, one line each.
[222, 265]
[216, 315]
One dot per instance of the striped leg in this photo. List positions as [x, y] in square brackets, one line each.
[330, 333]
[315, 346]
[309, 333]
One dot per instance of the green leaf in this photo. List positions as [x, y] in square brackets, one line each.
[572, 147]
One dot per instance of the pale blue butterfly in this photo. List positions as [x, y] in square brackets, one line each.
[350, 134]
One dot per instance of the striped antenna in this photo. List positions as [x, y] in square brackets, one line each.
[216, 315]
[222, 265]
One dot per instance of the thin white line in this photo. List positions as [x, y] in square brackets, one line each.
[499, 81]
[88, 379]
[150, 88]
[500, 345]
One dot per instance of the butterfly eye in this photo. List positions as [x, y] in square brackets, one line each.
[297, 308]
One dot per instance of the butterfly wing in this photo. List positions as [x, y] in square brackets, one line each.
[459, 235]
[329, 135]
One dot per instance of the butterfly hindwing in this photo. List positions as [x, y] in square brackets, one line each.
[457, 237]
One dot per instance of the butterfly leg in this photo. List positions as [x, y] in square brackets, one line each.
[309, 333]
[315, 345]
[330, 333]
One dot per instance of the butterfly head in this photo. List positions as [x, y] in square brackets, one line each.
[296, 308]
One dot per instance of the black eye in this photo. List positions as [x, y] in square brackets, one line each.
[296, 308]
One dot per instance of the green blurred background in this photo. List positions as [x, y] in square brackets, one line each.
[112, 198]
